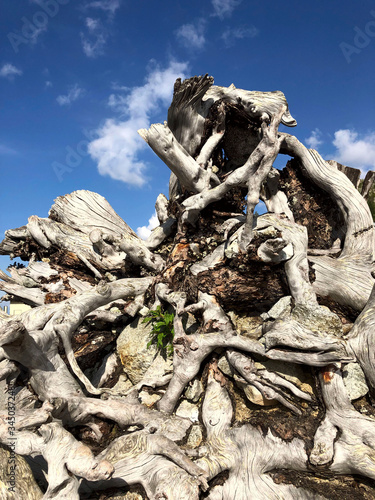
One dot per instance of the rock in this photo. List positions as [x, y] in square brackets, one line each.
[143, 311]
[225, 367]
[354, 381]
[135, 357]
[142, 364]
[115, 310]
[248, 326]
[320, 320]
[149, 399]
[160, 367]
[195, 437]
[282, 308]
[123, 384]
[194, 391]
[188, 410]
[190, 324]
[132, 496]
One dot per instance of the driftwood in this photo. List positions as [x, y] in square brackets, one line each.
[271, 312]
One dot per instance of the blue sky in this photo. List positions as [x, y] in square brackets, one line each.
[79, 77]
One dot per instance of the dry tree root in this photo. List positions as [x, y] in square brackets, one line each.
[90, 406]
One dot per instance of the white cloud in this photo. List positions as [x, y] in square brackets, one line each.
[118, 144]
[354, 151]
[115, 151]
[107, 5]
[224, 8]
[119, 102]
[92, 24]
[48, 84]
[93, 45]
[192, 36]
[145, 231]
[9, 71]
[94, 41]
[315, 139]
[231, 35]
[74, 93]
[94, 48]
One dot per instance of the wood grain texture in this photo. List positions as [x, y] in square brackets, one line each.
[269, 317]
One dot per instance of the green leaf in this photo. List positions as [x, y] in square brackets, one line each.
[160, 340]
[162, 332]
[168, 319]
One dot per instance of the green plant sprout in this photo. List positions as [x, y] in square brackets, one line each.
[162, 332]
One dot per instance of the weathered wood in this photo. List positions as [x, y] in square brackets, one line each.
[359, 235]
[85, 211]
[245, 452]
[266, 383]
[161, 139]
[367, 184]
[360, 339]
[31, 296]
[275, 199]
[345, 437]
[243, 294]
[193, 98]
[296, 265]
[252, 174]
[353, 174]
[156, 463]
[66, 459]
[85, 226]
[357, 251]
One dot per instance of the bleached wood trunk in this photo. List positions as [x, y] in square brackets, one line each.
[252, 298]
